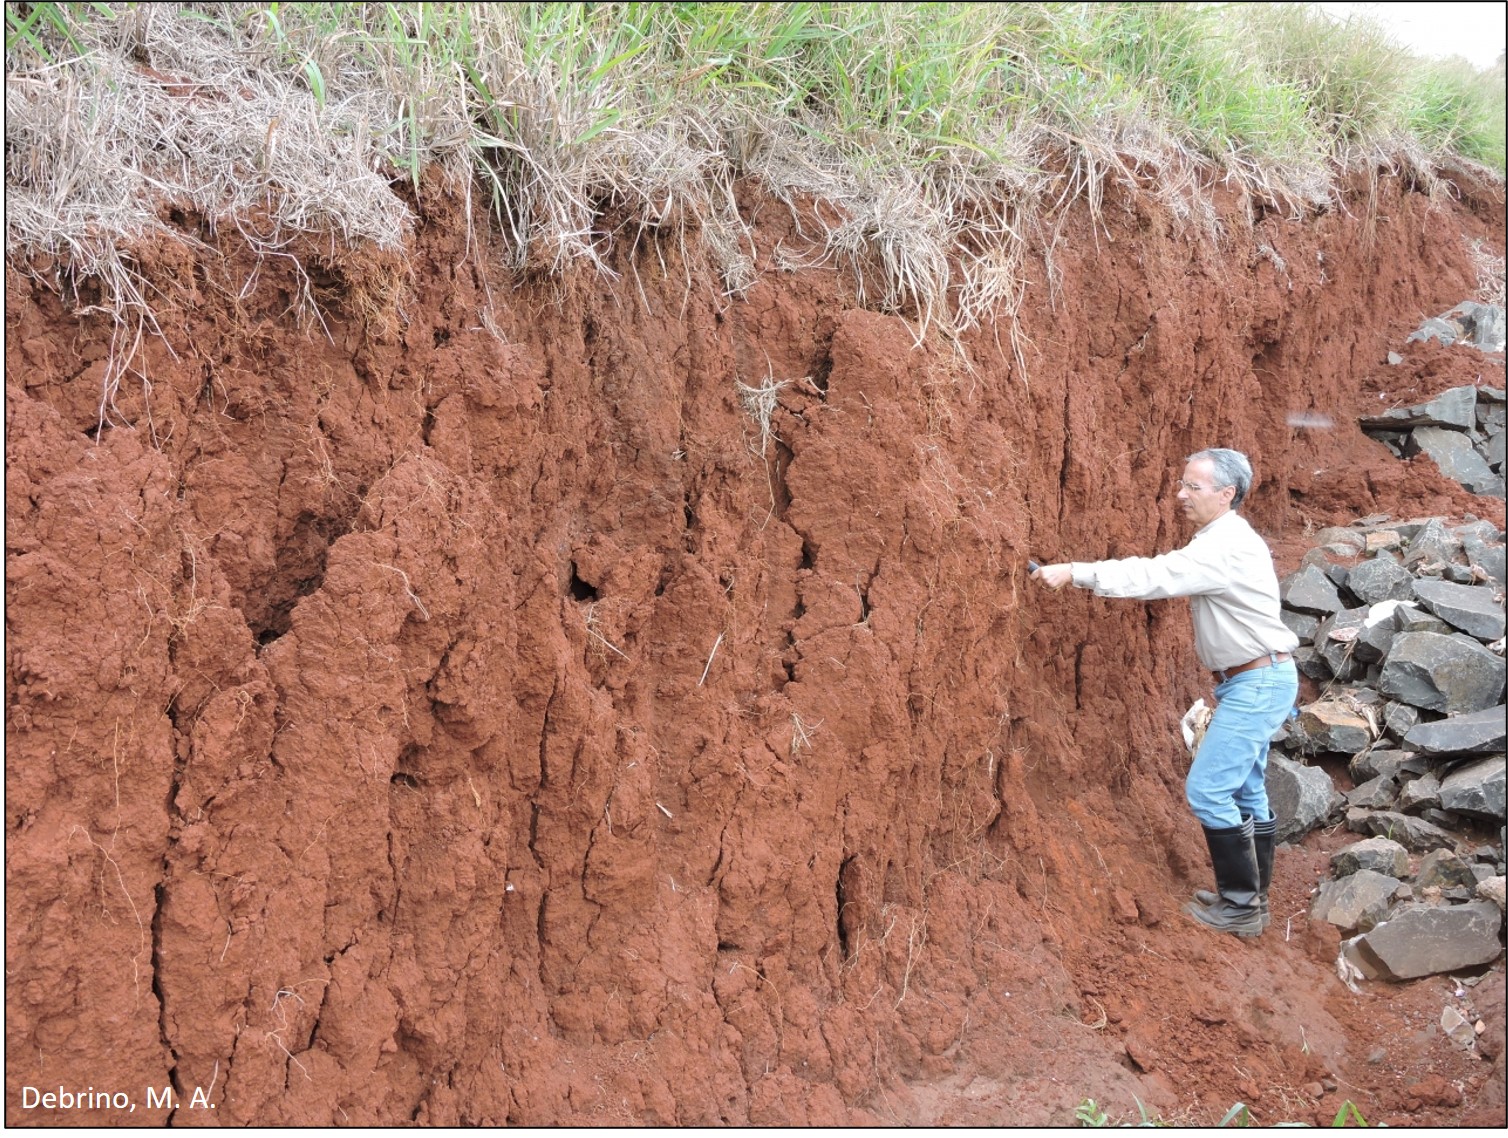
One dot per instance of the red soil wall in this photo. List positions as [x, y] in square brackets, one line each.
[422, 724]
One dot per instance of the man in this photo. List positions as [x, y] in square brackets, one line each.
[1226, 570]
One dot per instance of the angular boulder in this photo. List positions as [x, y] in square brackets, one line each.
[1302, 624]
[1492, 451]
[1336, 640]
[1478, 732]
[1474, 609]
[1419, 794]
[1380, 855]
[1475, 789]
[1355, 902]
[1442, 673]
[1480, 323]
[1432, 543]
[1424, 940]
[1412, 833]
[1377, 632]
[1310, 663]
[1398, 719]
[1457, 459]
[1386, 761]
[1486, 555]
[1412, 618]
[1332, 726]
[1380, 579]
[1442, 869]
[1375, 794]
[1454, 408]
[1309, 590]
[1301, 797]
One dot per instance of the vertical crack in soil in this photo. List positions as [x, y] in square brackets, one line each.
[159, 895]
[301, 563]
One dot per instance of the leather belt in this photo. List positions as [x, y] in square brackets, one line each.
[1259, 662]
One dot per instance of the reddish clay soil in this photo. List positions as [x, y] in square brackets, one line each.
[417, 723]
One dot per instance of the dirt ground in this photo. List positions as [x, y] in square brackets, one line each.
[445, 704]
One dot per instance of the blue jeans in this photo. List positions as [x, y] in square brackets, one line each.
[1228, 781]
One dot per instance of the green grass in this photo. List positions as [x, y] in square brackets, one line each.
[1090, 1114]
[942, 134]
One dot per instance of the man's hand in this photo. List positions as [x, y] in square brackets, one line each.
[1054, 576]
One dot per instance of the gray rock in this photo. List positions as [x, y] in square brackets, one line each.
[1394, 358]
[1368, 971]
[1398, 719]
[1310, 663]
[1419, 794]
[1473, 609]
[1333, 726]
[1380, 579]
[1424, 940]
[1479, 530]
[1376, 635]
[1444, 869]
[1396, 765]
[1431, 543]
[1442, 673]
[1302, 624]
[1437, 328]
[1412, 618]
[1459, 574]
[1336, 640]
[1475, 789]
[1492, 451]
[1415, 834]
[1444, 819]
[1376, 854]
[1482, 324]
[1488, 556]
[1375, 794]
[1309, 590]
[1357, 901]
[1301, 797]
[1457, 459]
[1454, 408]
[1476, 733]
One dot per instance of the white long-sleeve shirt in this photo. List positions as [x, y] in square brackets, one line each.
[1226, 571]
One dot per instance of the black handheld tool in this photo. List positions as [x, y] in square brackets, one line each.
[1031, 566]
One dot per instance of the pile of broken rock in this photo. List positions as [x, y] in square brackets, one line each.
[1462, 430]
[1401, 627]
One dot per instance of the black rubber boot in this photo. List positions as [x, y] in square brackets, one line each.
[1234, 857]
[1264, 838]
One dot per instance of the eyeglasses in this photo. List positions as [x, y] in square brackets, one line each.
[1191, 487]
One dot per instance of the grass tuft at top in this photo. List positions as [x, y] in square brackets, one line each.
[940, 134]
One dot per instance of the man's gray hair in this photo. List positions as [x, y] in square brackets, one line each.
[1231, 469]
